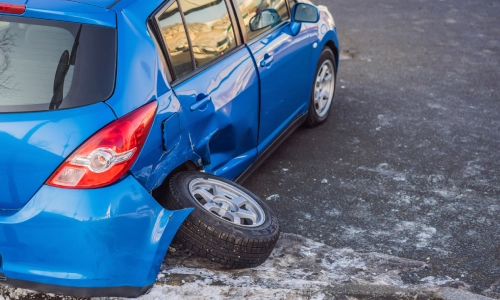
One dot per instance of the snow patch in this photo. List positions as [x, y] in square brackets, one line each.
[385, 169]
[298, 268]
[425, 236]
[273, 197]
[445, 193]
[333, 213]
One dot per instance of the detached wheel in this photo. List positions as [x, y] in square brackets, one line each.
[323, 89]
[229, 224]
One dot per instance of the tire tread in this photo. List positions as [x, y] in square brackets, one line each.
[215, 239]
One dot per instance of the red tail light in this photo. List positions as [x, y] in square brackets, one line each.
[15, 9]
[108, 154]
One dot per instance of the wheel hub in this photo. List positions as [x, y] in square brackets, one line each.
[324, 89]
[225, 206]
[227, 202]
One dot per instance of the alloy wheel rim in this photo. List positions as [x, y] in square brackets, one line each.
[324, 88]
[227, 202]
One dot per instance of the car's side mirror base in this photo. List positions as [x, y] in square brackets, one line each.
[295, 27]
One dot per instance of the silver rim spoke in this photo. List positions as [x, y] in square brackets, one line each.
[224, 213]
[228, 202]
[322, 73]
[210, 206]
[240, 201]
[246, 214]
[324, 88]
[327, 78]
[205, 194]
[218, 190]
[236, 219]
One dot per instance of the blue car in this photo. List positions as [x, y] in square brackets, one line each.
[124, 124]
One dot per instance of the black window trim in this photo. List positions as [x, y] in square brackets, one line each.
[239, 20]
[153, 31]
[234, 22]
[186, 30]
[155, 27]
[289, 8]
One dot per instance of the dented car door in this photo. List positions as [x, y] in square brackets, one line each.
[215, 81]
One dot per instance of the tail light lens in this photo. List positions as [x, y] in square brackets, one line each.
[108, 154]
[14, 9]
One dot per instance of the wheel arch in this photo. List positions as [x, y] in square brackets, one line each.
[330, 44]
[188, 165]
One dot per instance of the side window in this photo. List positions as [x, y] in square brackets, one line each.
[262, 15]
[175, 38]
[210, 29]
[209, 34]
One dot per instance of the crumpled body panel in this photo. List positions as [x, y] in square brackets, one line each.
[115, 236]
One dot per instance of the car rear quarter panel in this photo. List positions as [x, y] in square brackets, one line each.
[64, 237]
[141, 78]
[38, 142]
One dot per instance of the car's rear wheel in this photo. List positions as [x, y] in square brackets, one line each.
[229, 225]
[323, 89]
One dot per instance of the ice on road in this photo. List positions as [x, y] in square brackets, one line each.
[298, 268]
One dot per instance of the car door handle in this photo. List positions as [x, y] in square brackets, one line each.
[200, 103]
[268, 59]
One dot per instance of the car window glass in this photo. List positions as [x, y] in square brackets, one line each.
[174, 35]
[48, 65]
[262, 15]
[210, 29]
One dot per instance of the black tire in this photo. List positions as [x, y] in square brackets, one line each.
[211, 237]
[313, 118]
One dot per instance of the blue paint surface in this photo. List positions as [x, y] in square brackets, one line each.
[118, 235]
[34, 144]
[70, 11]
[112, 236]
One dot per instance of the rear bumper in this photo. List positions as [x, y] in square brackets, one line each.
[102, 242]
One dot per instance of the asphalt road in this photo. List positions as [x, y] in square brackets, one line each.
[411, 150]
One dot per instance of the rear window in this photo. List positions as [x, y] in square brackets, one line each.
[49, 65]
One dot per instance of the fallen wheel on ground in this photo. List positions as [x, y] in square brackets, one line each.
[229, 225]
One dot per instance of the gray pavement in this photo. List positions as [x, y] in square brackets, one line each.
[409, 162]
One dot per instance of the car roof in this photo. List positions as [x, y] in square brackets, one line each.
[101, 3]
[93, 12]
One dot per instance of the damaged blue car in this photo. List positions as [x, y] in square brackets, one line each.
[124, 124]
